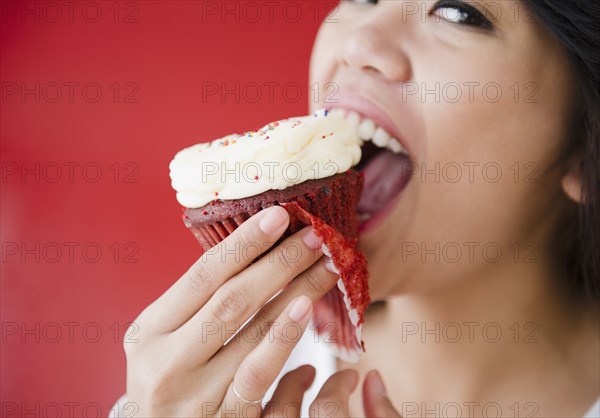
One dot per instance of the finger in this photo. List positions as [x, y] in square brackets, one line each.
[287, 399]
[333, 399]
[217, 265]
[239, 298]
[375, 400]
[259, 370]
[314, 282]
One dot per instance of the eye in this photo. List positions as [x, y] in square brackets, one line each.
[456, 11]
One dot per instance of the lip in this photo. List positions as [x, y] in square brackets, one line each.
[368, 108]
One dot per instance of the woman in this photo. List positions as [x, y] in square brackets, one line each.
[487, 262]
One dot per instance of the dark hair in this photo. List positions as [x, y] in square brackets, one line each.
[576, 25]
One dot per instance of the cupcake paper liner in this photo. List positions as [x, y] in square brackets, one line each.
[330, 206]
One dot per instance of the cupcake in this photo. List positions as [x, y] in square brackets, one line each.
[304, 164]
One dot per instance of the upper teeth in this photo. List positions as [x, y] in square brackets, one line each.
[381, 138]
[368, 130]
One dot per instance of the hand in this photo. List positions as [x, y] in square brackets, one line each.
[333, 399]
[181, 366]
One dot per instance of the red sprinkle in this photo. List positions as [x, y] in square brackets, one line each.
[204, 212]
[255, 177]
[216, 193]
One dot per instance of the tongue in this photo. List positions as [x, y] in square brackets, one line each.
[386, 174]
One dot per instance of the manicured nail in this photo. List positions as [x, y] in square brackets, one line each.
[273, 219]
[311, 240]
[378, 385]
[330, 266]
[300, 308]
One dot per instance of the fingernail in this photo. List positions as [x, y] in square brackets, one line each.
[330, 266]
[300, 308]
[273, 219]
[378, 385]
[311, 240]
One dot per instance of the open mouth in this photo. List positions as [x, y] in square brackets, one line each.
[385, 164]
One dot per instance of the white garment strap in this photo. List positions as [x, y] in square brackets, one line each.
[122, 409]
[594, 411]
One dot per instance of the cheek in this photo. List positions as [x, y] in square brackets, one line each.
[481, 176]
[485, 181]
[323, 64]
[487, 157]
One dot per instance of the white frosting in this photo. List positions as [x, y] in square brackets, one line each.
[277, 156]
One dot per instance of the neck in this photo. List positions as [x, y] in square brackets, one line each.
[468, 342]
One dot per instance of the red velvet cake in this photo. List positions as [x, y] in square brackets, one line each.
[332, 199]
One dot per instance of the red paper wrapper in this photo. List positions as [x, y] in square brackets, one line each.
[340, 313]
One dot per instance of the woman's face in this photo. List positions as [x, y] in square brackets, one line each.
[479, 95]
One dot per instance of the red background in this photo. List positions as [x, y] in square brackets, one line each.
[167, 52]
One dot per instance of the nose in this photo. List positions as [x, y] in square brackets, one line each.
[373, 48]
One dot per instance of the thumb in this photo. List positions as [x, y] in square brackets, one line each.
[375, 400]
